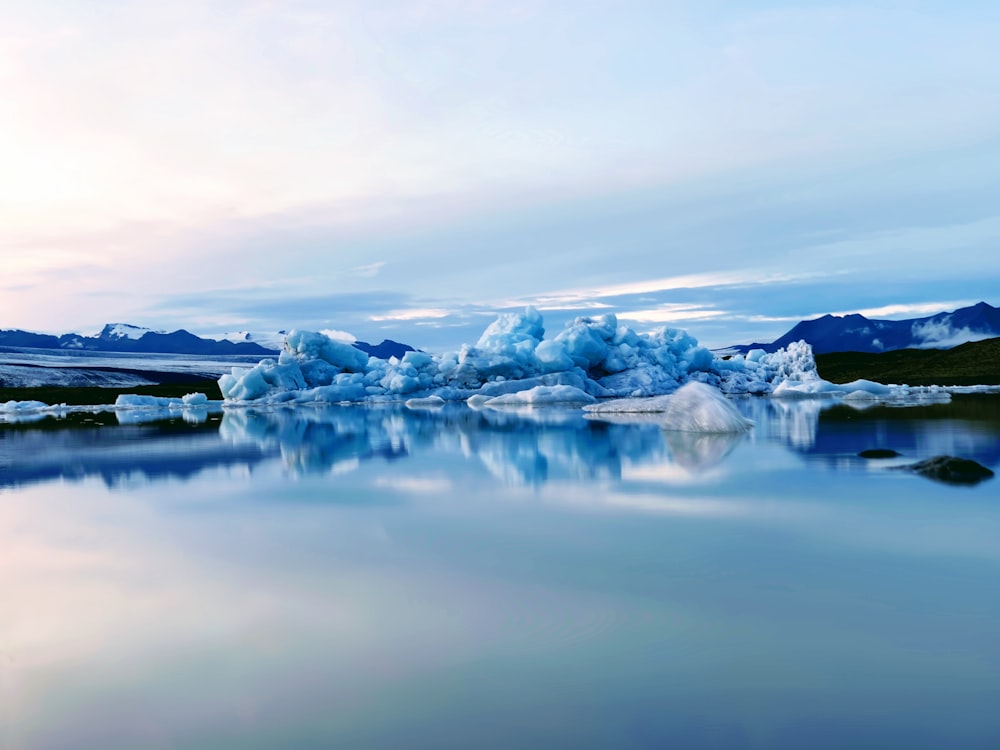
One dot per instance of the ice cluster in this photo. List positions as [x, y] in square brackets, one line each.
[512, 362]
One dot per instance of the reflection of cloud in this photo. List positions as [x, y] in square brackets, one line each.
[704, 507]
[417, 485]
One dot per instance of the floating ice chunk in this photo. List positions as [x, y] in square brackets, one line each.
[544, 394]
[649, 405]
[430, 402]
[695, 407]
[867, 386]
[195, 399]
[805, 389]
[135, 401]
[856, 390]
[14, 407]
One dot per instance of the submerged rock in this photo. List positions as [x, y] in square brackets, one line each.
[951, 470]
[879, 453]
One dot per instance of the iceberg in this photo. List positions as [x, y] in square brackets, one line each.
[695, 407]
[544, 394]
[595, 355]
[134, 401]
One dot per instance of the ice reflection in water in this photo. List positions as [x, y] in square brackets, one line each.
[516, 446]
[833, 432]
[381, 578]
[526, 447]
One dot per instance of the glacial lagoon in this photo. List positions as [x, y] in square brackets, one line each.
[384, 577]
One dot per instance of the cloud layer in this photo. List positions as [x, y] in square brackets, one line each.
[404, 168]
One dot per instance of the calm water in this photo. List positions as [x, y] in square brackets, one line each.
[385, 578]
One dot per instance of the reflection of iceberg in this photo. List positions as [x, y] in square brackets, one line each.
[835, 432]
[698, 452]
[695, 407]
[529, 447]
[316, 440]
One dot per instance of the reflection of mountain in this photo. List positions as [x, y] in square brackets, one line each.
[164, 450]
[968, 426]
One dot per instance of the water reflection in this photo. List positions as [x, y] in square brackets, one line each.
[833, 433]
[86, 446]
[517, 446]
[526, 447]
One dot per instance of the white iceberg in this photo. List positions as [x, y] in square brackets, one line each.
[695, 407]
[544, 394]
[595, 355]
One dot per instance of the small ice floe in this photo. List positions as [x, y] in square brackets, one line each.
[694, 407]
[135, 401]
[21, 407]
[33, 411]
[543, 394]
[430, 402]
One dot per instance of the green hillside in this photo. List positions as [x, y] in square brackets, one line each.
[975, 363]
[87, 395]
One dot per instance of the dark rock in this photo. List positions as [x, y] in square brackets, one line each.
[951, 470]
[879, 453]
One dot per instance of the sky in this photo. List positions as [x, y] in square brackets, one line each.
[409, 169]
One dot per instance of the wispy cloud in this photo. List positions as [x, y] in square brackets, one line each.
[908, 310]
[369, 270]
[741, 278]
[942, 335]
[414, 313]
[669, 313]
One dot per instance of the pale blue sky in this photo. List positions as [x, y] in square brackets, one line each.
[407, 169]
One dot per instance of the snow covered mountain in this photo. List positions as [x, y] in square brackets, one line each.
[122, 337]
[119, 331]
[126, 338]
[856, 333]
[269, 340]
[388, 348]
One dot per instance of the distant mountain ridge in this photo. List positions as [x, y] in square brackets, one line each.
[388, 348]
[127, 338]
[856, 333]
